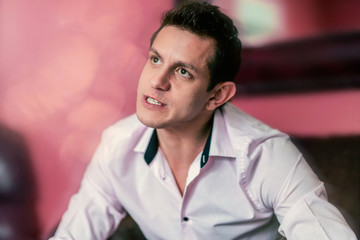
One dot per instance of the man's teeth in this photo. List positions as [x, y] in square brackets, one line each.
[153, 101]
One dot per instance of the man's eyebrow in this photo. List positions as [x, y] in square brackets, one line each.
[187, 65]
[178, 63]
[155, 52]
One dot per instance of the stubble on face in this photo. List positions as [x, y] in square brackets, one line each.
[181, 69]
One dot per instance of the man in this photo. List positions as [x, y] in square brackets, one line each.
[189, 165]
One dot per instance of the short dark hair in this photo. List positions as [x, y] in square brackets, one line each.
[207, 20]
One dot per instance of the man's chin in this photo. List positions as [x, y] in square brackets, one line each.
[148, 122]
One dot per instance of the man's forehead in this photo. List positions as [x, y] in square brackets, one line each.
[183, 44]
[183, 31]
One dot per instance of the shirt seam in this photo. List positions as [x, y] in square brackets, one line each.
[286, 179]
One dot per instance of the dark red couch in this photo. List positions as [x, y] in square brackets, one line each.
[17, 189]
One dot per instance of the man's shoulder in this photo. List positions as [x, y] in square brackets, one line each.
[241, 124]
[126, 128]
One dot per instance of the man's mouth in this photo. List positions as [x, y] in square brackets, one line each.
[153, 101]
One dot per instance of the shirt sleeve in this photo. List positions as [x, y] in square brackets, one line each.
[303, 209]
[93, 212]
[298, 198]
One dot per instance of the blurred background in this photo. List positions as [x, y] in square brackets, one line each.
[68, 69]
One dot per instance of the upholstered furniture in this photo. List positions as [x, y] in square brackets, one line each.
[17, 189]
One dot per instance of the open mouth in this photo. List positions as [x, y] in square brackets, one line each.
[153, 101]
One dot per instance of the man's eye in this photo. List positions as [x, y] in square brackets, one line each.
[155, 60]
[183, 72]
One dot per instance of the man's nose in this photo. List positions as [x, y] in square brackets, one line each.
[161, 81]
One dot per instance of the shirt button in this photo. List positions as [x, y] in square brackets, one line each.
[186, 219]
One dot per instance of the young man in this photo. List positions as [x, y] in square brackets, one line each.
[189, 165]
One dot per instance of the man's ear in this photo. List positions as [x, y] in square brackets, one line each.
[221, 93]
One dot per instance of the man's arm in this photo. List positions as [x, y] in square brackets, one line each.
[304, 210]
[296, 194]
[93, 212]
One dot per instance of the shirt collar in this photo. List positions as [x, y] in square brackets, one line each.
[152, 148]
[217, 143]
[220, 141]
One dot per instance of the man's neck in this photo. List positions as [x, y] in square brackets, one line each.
[181, 146]
[184, 141]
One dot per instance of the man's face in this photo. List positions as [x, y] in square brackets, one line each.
[172, 90]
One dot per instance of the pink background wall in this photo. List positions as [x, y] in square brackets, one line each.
[308, 114]
[69, 68]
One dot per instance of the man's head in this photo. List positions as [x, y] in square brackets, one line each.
[206, 20]
[191, 65]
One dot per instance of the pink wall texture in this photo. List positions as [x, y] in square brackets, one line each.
[322, 114]
[70, 68]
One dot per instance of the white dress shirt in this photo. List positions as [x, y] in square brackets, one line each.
[251, 179]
